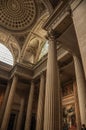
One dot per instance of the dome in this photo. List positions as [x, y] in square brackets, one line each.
[17, 15]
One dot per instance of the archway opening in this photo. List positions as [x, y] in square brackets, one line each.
[5, 55]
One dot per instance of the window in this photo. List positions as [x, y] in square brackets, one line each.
[5, 55]
[44, 50]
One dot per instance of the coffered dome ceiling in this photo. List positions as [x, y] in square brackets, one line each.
[17, 15]
[23, 20]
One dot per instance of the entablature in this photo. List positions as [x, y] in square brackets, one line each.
[22, 71]
[4, 70]
[42, 65]
[60, 19]
[7, 71]
[31, 72]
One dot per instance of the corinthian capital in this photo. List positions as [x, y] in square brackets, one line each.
[52, 34]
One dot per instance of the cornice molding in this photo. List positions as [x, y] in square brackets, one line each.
[28, 72]
[75, 4]
[52, 16]
[60, 19]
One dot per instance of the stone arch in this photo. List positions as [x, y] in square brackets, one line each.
[11, 43]
[34, 34]
[6, 55]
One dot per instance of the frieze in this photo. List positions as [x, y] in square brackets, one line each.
[4, 74]
[30, 72]
[57, 17]
[21, 71]
[42, 65]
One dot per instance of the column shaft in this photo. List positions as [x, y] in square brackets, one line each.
[19, 121]
[60, 103]
[81, 89]
[51, 112]
[9, 104]
[29, 108]
[77, 111]
[79, 20]
[40, 110]
[4, 102]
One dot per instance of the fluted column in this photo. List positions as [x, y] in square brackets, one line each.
[78, 120]
[19, 121]
[29, 107]
[78, 8]
[40, 110]
[81, 88]
[51, 112]
[60, 103]
[9, 104]
[4, 102]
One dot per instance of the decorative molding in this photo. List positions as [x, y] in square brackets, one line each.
[61, 15]
[75, 4]
[11, 43]
[34, 33]
[29, 72]
[52, 16]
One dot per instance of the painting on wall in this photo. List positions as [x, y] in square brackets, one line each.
[69, 118]
[67, 90]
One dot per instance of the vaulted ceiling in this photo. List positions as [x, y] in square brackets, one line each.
[22, 20]
[21, 29]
